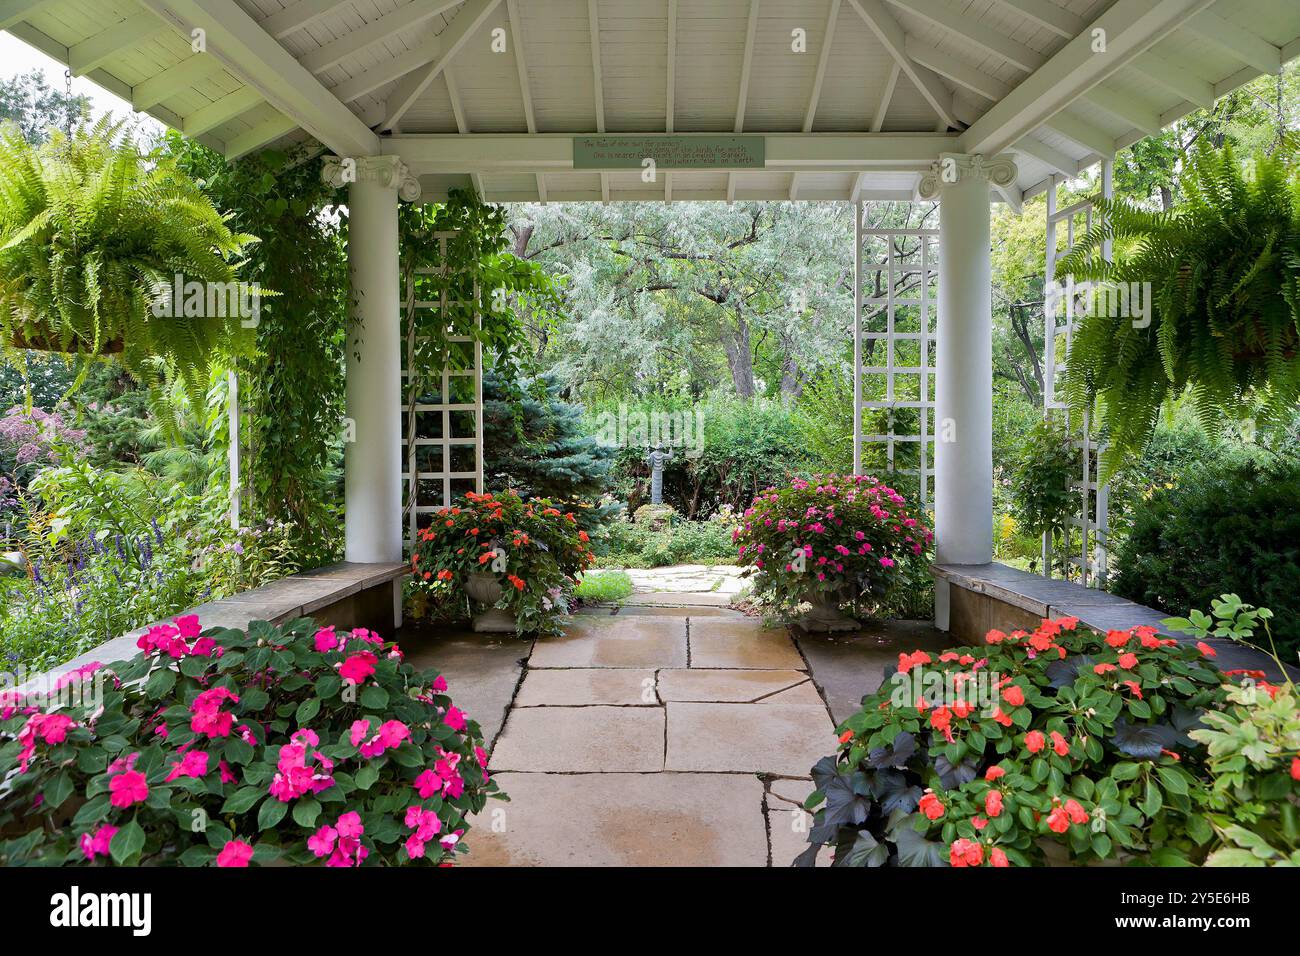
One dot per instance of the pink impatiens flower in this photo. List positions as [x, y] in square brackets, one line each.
[97, 843]
[235, 853]
[192, 764]
[128, 788]
[207, 717]
[321, 843]
[325, 639]
[358, 667]
[455, 718]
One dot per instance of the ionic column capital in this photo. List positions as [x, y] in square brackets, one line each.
[952, 168]
[387, 171]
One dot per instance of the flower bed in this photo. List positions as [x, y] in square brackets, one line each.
[533, 547]
[296, 744]
[1057, 746]
[851, 537]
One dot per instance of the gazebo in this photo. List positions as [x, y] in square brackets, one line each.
[966, 102]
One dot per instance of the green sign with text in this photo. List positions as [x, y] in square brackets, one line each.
[669, 152]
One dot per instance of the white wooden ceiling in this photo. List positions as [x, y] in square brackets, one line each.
[878, 88]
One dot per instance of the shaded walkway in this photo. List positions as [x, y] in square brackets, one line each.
[657, 736]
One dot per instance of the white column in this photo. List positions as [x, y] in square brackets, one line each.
[963, 487]
[372, 460]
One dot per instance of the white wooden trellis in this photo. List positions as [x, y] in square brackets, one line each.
[900, 267]
[1062, 311]
[431, 478]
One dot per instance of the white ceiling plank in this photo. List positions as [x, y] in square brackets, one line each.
[1083, 133]
[458, 113]
[955, 70]
[472, 15]
[1244, 45]
[521, 64]
[1131, 28]
[257, 137]
[298, 15]
[746, 65]
[386, 71]
[92, 52]
[970, 30]
[886, 29]
[1053, 157]
[823, 58]
[597, 76]
[1047, 14]
[251, 54]
[221, 111]
[886, 95]
[13, 12]
[376, 31]
[1125, 107]
[1176, 79]
[670, 107]
[173, 80]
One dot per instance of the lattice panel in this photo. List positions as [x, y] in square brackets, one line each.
[895, 289]
[442, 421]
[1063, 309]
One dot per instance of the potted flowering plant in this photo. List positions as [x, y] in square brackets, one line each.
[1060, 745]
[827, 541]
[519, 559]
[295, 744]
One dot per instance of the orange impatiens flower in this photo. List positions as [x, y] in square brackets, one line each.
[1035, 741]
[517, 581]
[1128, 661]
[1013, 695]
[846, 736]
[1206, 650]
[931, 806]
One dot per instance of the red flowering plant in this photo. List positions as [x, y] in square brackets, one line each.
[846, 537]
[533, 548]
[297, 744]
[1053, 746]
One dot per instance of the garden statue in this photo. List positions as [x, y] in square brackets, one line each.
[657, 458]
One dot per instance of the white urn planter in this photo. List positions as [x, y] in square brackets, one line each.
[824, 614]
[484, 588]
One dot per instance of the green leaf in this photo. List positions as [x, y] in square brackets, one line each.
[160, 683]
[308, 709]
[374, 698]
[58, 790]
[127, 843]
[366, 777]
[271, 812]
[305, 812]
[242, 800]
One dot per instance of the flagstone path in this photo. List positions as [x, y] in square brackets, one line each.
[656, 736]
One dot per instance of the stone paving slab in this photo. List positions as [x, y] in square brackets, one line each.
[622, 819]
[616, 641]
[847, 667]
[784, 739]
[787, 829]
[788, 791]
[730, 686]
[482, 670]
[680, 599]
[586, 686]
[805, 693]
[582, 740]
[743, 643]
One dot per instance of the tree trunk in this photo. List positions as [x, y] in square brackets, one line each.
[740, 358]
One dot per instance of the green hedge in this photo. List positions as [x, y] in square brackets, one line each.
[1224, 527]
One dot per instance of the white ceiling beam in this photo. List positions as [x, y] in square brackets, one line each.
[298, 15]
[188, 72]
[266, 132]
[1131, 27]
[886, 95]
[828, 38]
[1083, 133]
[472, 15]
[553, 152]
[670, 107]
[376, 31]
[886, 29]
[521, 67]
[422, 53]
[221, 111]
[91, 53]
[971, 31]
[458, 113]
[1176, 79]
[597, 74]
[962, 74]
[1047, 14]
[746, 64]
[1125, 107]
[1246, 46]
[251, 54]
[14, 12]
[1054, 158]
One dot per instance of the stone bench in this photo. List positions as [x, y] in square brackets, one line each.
[981, 597]
[346, 595]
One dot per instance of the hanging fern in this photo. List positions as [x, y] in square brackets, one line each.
[92, 231]
[1224, 275]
